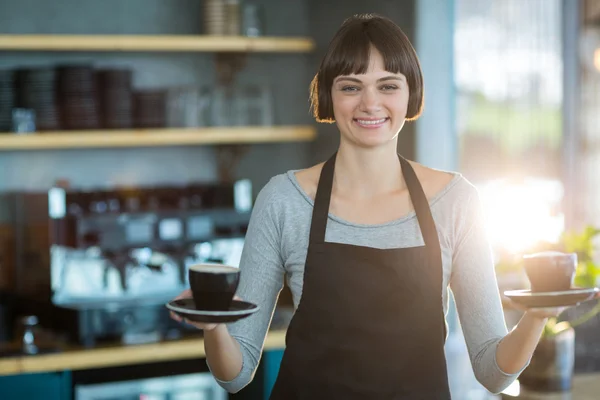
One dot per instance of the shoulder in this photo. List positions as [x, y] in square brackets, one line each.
[455, 204]
[282, 192]
[451, 195]
[432, 180]
[439, 183]
[275, 187]
[308, 179]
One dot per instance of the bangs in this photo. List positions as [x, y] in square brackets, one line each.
[351, 53]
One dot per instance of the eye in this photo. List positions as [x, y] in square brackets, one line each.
[389, 87]
[350, 88]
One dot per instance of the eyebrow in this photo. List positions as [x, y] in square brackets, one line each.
[385, 78]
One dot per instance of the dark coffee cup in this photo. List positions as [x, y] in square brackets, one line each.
[213, 285]
[550, 271]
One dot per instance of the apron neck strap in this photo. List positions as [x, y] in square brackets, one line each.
[421, 206]
[322, 200]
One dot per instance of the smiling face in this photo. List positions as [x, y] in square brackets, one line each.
[370, 109]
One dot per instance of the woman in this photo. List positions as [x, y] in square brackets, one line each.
[369, 243]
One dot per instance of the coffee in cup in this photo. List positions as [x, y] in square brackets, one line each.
[550, 271]
[213, 285]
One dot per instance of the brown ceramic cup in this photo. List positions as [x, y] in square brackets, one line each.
[213, 285]
[550, 271]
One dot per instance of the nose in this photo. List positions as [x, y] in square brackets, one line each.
[370, 101]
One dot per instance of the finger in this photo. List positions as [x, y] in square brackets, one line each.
[509, 304]
[192, 323]
[184, 295]
[549, 312]
[175, 316]
[195, 324]
[201, 326]
[546, 312]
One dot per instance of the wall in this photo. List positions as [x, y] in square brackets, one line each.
[287, 74]
[436, 139]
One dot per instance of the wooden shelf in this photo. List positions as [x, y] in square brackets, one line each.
[77, 359]
[166, 43]
[155, 137]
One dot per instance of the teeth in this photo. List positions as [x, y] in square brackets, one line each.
[363, 122]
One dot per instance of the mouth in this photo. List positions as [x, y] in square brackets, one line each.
[370, 123]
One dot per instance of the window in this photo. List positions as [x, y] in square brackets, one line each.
[509, 106]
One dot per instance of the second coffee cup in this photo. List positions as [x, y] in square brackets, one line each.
[550, 271]
[213, 285]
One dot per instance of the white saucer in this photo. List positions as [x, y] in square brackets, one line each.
[186, 308]
[563, 298]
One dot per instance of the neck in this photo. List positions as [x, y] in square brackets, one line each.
[366, 172]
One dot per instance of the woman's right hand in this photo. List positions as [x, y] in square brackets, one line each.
[187, 294]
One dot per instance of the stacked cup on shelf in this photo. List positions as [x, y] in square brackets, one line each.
[115, 97]
[6, 100]
[34, 89]
[77, 95]
[229, 18]
[215, 17]
[150, 108]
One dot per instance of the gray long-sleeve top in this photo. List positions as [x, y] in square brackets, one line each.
[276, 245]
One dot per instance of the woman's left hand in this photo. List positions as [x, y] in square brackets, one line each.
[546, 312]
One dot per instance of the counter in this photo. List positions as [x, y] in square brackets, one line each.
[585, 387]
[78, 358]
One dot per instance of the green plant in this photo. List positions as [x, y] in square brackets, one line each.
[587, 275]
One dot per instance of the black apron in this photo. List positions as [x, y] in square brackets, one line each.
[370, 323]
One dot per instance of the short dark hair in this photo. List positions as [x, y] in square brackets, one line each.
[349, 52]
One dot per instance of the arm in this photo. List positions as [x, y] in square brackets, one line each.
[515, 350]
[223, 353]
[479, 307]
[233, 351]
[221, 349]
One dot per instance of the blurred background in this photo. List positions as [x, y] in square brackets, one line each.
[136, 134]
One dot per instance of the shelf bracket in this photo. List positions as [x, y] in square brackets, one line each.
[228, 159]
[227, 65]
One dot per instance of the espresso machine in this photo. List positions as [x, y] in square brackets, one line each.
[100, 264]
